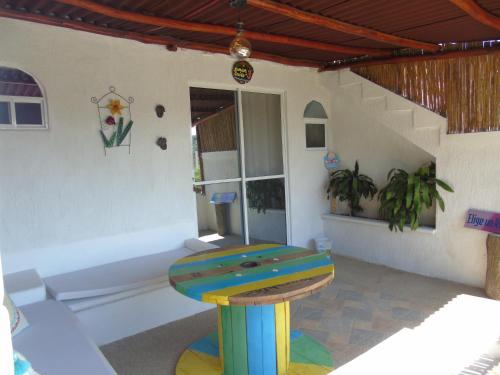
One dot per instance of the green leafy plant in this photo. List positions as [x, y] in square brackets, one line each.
[405, 196]
[265, 194]
[351, 186]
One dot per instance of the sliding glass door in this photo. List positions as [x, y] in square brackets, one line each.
[263, 168]
[238, 159]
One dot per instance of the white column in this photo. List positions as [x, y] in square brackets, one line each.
[6, 358]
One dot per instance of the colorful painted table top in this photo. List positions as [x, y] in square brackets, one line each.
[252, 275]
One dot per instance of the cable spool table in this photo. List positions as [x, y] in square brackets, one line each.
[252, 287]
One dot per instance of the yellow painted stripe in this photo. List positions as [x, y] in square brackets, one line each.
[219, 333]
[282, 319]
[192, 362]
[287, 327]
[218, 254]
[221, 296]
[309, 369]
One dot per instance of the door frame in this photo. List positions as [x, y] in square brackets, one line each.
[243, 179]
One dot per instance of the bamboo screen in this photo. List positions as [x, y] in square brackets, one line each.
[466, 90]
[218, 133]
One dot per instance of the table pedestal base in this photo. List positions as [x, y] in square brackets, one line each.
[307, 356]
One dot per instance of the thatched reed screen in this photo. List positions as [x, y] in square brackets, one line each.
[218, 133]
[466, 90]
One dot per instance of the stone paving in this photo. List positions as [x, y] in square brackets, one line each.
[364, 305]
[367, 303]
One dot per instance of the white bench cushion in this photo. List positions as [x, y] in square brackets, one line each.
[55, 343]
[114, 277]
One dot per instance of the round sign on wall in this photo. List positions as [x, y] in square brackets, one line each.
[242, 71]
[331, 160]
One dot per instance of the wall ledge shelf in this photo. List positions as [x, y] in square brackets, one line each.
[374, 222]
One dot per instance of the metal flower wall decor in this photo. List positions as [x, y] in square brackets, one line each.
[115, 119]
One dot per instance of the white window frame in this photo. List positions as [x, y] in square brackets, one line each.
[24, 99]
[322, 121]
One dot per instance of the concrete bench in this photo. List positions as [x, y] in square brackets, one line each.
[123, 298]
[56, 344]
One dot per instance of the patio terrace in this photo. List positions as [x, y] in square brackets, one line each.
[365, 305]
[136, 135]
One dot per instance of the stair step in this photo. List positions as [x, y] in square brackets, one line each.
[346, 77]
[376, 102]
[411, 121]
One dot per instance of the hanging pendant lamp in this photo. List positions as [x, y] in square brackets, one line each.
[240, 47]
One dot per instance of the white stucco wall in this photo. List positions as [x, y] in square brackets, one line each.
[6, 358]
[470, 162]
[65, 206]
[357, 136]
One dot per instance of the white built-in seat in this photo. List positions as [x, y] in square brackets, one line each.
[25, 287]
[56, 344]
[114, 277]
[123, 298]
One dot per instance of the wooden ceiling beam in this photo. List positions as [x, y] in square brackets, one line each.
[200, 10]
[416, 58]
[333, 24]
[170, 43]
[255, 54]
[83, 26]
[480, 14]
[221, 30]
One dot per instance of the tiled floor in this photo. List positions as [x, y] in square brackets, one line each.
[365, 304]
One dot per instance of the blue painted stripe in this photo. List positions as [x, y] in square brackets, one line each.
[206, 345]
[197, 291]
[269, 340]
[261, 340]
[254, 340]
[231, 257]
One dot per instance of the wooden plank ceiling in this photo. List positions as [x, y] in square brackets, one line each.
[318, 33]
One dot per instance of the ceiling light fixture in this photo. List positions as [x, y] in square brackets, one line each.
[240, 47]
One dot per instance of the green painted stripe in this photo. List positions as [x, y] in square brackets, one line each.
[251, 271]
[238, 317]
[227, 340]
[307, 350]
[235, 340]
[234, 262]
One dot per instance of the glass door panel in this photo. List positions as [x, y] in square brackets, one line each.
[262, 132]
[214, 132]
[239, 198]
[266, 211]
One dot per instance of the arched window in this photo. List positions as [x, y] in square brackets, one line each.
[22, 105]
[315, 119]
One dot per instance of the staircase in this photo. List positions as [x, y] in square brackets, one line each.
[413, 122]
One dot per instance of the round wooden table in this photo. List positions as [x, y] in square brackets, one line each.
[252, 287]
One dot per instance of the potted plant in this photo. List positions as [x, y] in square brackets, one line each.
[265, 194]
[350, 186]
[406, 195]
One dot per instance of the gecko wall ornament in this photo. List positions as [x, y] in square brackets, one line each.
[160, 110]
[162, 143]
[115, 119]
